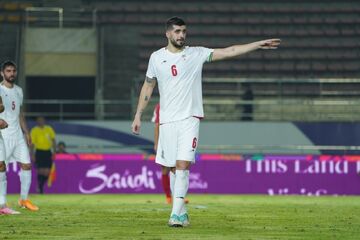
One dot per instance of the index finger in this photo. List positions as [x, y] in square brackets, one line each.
[275, 40]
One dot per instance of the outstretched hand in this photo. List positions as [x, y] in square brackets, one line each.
[269, 43]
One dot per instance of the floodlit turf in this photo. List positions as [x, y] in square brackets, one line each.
[211, 216]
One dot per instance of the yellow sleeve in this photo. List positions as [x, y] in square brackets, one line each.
[33, 135]
[52, 133]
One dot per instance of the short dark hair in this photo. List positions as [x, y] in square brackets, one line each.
[174, 21]
[6, 64]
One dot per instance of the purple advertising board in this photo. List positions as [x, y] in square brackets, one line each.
[272, 177]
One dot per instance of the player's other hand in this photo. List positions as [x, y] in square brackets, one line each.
[3, 124]
[135, 126]
[269, 43]
[28, 139]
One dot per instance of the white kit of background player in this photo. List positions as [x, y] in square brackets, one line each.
[16, 136]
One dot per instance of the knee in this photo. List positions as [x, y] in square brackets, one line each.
[183, 165]
[25, 166]
[2, 167]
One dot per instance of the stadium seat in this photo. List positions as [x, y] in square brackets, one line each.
[319, 39]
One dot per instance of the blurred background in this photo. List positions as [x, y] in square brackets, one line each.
[85, 59]
[82, 63]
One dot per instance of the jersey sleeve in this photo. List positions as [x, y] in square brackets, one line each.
[52, 133]
[1, 95]
[151, 71]
[21, 95]
[205, 54]
[33, 136]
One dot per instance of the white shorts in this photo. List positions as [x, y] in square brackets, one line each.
[16, 150]
[178, 141]
[2, 150]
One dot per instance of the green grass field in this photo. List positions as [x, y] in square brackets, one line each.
[211, 216]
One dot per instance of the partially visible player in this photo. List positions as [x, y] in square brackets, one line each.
[4, 209]
[16, 135]
[178, 71]
[165, 178]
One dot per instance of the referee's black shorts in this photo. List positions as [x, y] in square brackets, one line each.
[43, 158]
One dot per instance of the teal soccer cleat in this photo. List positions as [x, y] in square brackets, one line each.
[174, 221]
[184, 220]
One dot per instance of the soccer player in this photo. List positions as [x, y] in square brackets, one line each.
[178, 71]
[43, 139]
[165, 179]
[4, 209]
[16, 145]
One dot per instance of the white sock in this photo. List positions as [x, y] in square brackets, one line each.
[25, 180]
[3, 188]
[172, 182]
[180, 189]
[183, 210]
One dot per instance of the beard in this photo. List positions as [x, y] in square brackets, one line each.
[10, 79]
[176, 44]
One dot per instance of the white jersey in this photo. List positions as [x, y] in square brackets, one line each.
[12, 99]
[179, 78]
[2, 145]
[1, 115]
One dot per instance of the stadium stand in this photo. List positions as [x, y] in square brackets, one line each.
[320, 41]
[9, 41]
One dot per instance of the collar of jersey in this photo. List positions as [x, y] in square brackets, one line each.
[178, 53]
